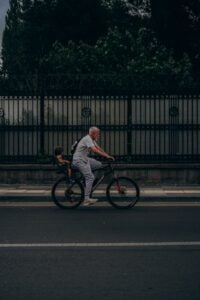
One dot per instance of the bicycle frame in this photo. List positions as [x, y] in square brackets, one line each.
[105, 174]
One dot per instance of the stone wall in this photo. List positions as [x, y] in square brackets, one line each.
[143, 173]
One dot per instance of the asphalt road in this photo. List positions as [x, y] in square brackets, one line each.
[100, 253]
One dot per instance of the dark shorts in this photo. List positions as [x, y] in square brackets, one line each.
[62, 168]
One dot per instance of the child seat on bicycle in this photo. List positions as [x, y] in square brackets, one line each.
[62, 164]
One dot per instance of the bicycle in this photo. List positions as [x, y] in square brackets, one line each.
[121, 192]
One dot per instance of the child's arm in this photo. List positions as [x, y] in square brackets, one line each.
[61, 160]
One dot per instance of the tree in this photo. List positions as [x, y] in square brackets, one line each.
[33, 26]
[103, 37]
[121, 61]
[38, 33]
[177, 24]
[11, 43]
[128, 14]
[84, 20]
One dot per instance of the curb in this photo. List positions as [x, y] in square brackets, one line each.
[147, 193]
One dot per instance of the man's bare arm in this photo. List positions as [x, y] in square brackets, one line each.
[101, 152]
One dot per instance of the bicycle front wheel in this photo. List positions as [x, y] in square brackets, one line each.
[67, 193]
[123, 192]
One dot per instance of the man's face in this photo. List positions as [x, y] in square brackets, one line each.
[96, 135]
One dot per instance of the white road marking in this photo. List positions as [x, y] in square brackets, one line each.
[104, 203]
[104, 245]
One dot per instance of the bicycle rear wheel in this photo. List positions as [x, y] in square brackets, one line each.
[123, 192]
[67, 193]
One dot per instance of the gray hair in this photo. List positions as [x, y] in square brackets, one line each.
[92, 129]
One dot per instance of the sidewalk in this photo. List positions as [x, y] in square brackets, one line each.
[33, 192]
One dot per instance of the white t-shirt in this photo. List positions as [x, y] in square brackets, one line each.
[83, 148]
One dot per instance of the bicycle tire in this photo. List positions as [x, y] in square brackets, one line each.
[67, 193]
[123, 192]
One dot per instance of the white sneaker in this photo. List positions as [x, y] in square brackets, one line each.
[89, 201]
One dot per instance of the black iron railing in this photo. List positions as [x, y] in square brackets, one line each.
[135, 129]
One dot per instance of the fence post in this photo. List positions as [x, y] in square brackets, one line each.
[42, 123]
[41, 93]
[2, 132]
[129, 126]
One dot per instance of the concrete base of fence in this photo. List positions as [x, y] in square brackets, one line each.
[143, 173]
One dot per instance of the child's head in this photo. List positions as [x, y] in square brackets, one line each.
[58, 151]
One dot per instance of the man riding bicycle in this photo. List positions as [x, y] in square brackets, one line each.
[86, 164]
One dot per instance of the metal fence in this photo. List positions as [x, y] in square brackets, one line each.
[138, 129]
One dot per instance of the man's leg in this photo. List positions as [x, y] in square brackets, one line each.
[95, 164]
[85, 169]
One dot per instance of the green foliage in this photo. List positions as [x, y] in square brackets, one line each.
[124, 61]
[177, 25]
[97, 45]
[12, 50]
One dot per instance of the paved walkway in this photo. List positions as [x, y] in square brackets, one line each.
[33, 192]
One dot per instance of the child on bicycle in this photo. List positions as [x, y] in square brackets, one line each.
[61, 162]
